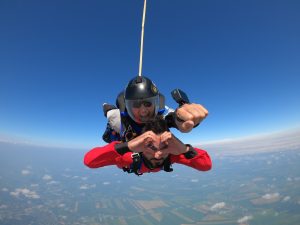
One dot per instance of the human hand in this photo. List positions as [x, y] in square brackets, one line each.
[144, 142]
[171, 144]
[189, 115]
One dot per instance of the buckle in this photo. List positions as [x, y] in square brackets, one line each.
[135, 155]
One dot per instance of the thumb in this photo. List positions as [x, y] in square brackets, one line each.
[187, 126]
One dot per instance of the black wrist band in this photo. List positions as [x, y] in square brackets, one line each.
[191, 153]
[122, 148]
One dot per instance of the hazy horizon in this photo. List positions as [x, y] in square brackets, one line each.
[262, 143]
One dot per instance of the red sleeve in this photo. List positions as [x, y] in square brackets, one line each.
[201, 161]
[103, 156]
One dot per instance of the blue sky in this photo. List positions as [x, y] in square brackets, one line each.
[60, 60]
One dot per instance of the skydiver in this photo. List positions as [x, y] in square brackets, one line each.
[154, 150]
[139, 103]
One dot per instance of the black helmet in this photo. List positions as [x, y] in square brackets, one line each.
[141, 91]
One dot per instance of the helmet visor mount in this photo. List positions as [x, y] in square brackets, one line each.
[143, 110]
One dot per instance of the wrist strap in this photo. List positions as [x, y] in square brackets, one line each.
[191, 153]
[122, 148]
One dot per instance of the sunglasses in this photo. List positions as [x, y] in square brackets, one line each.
[138, 104]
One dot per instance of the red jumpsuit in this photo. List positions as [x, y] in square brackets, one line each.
[107, 155]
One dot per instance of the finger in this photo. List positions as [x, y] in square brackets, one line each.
[194, 112]
[141, 141]
[164, 140]
[187, 126]
[150, 136]
[202, 108]
[151, 140]
[149, 133]
[158, 154]
[197, 114]
[183, 114]
[196, 107]
[165, 136]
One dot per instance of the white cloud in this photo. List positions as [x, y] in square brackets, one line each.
[106, 183]
[63, 217]
[86, 186]
[4, 189]
[47, 177]
[3, 206]
[272, 196]
[245, 219]
[286, 198]
[194, 180]
[61, 205]
[217, 206]
[25, 172]
[25, 192]
[53, 182]
[67, 176]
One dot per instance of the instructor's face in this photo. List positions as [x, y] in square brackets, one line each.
[144, 113]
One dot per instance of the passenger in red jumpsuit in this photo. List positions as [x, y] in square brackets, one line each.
[154, 150]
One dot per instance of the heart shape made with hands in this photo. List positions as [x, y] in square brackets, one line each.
[156, 143]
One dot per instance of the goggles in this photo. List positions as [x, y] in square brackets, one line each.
[138, 104]
[151, 104]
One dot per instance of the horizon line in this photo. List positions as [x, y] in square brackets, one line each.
[280, 136]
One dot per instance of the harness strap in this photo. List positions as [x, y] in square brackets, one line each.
[136, 164]
[167, 165]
